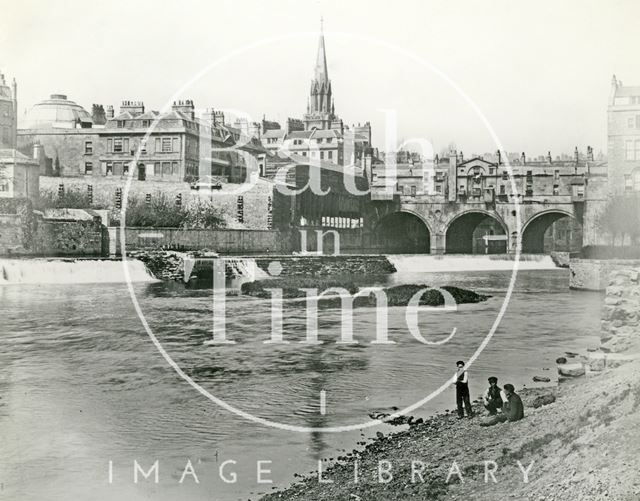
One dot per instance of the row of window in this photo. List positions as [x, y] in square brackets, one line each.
[327, 140]
[121, 145]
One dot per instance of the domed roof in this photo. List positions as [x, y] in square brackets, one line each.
[57, 112]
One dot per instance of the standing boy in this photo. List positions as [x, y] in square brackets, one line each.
[461, 380]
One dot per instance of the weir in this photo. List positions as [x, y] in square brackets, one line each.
[71, 271]
[468, 262]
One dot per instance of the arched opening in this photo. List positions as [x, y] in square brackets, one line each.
[402, 233]
[551, 231]
[476, 233]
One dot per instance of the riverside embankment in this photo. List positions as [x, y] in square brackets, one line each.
[578, 440]
[583, 445]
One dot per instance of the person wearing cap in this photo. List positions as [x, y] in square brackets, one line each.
[463, 400]
[512, 408]
[492, 399]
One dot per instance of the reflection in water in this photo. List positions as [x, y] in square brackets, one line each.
[81, 384]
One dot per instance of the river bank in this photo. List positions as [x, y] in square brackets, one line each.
[581, 445]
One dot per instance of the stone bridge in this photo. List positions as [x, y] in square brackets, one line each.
[422, 226]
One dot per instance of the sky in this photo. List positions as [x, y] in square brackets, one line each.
[537, 74]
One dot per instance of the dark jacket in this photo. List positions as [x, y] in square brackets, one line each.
[513, 408]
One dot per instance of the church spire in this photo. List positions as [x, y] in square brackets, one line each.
[321, 75]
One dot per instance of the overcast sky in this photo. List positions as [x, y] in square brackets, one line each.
[539, 71]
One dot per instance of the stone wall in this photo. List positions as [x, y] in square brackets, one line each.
[620, 329]
[68, 238]
[593, 274]
[221, 241]
[16, 226]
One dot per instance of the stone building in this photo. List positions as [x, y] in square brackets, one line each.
[624, 137]
[168, 145]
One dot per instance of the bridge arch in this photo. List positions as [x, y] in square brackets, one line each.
[476, 231]
[534, 229]
[402, 232]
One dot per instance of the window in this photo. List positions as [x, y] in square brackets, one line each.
[330, 153]
[505, 175]
[143, 147]
[166, 145]
[156, 169]
[304, 153]
[117, 145]
[109, 170]
[491, 170]
[628, 150]
[117, 168]
[109, 145]
[329, 140]
[120, 124]
[125, 168]
[88, 147]
[438, 188]
[631, 122]
[413, 191]
[502, 189]
[174, 168]
[628, 182]
[529, 190]
[146, 123]
[322, 155]
[166, 168]
[88, 167]
[556, 175]
[556, 189]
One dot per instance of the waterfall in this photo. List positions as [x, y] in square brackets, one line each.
[235, 267]
[69, 271]
[476, 262]
[245, 268]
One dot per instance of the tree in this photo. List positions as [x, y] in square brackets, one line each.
[620, 218]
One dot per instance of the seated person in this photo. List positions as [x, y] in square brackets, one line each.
[512, 408]
[492, 398]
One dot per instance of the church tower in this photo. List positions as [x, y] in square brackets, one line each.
[320, 108]
[8, 114]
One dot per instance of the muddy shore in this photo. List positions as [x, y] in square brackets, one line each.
[577, 441]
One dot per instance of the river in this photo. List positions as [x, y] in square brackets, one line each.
[82, 385]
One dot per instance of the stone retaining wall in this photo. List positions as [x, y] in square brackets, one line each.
[620, 328]
[593, 274]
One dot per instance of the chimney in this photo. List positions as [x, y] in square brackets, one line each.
[110, 112]
[186, 107]
[499, 155]
[549, 158]
[216, 117]
[133, 107]
[523, 158]
[576, 155]
[590, 153]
